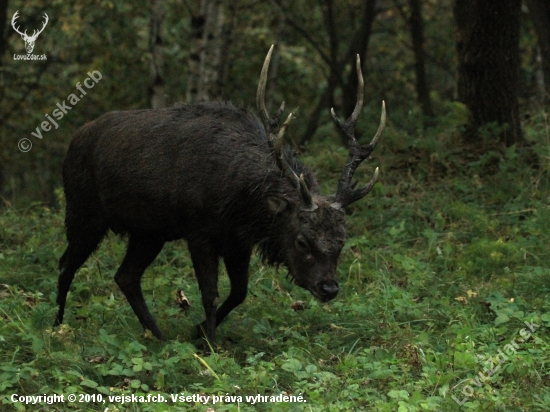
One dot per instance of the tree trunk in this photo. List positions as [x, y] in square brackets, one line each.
[156, 85]
[539, 10]
[3, 43]
[196, 46]
[488, 65]
[417, 36]
[358, 45]
[206, 51]
[209, 87]
[3, 24]
[313, 118]
[227, 39]
[335, 75]
[275, 60]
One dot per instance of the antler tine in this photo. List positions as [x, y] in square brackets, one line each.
[269, 124]
[260, 94]
[348, 127]
[275, 142]
[43, 24]
[352, 195]
[297, 182]
[346, 192]
[308, 205]
[13, 20]
[381, 127]
[35, 32]
[360, 91]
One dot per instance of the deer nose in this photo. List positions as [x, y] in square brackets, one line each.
[328, 289]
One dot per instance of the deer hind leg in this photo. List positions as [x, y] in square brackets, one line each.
[140, 254]
[236, 264]
[82, 242]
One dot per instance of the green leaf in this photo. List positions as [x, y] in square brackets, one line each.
[402, 394]
[382, 374]
[89, 383]
[292, 365]
[501, 318]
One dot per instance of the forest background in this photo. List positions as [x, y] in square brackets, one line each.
[446, 261]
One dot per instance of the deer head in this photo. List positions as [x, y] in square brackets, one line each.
[29, 40]
[310, 226]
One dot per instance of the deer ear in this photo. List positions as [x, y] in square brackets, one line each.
[276, 204]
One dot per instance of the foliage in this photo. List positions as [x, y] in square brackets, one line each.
[112, 37]
[446, 260]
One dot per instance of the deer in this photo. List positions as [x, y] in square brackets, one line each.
[218, 176]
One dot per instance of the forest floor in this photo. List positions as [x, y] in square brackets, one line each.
[445, 300]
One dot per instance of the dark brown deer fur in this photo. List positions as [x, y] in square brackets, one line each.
[215, 175]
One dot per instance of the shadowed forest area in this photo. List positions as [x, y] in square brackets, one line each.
[444, 277]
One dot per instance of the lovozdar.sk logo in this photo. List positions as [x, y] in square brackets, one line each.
[29, 40]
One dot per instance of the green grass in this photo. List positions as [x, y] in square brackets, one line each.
[446, 259]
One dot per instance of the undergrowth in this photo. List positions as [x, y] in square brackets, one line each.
[446, 261]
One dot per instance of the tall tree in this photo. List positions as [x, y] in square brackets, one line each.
[205, 58]
[156, 85]
[488, 65]
[227, 23]
[3, 24]
[3, 42]
[539, 10]
[275, 59]
[329, 47]
[417, 35]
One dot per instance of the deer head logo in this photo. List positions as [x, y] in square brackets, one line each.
[29, 40]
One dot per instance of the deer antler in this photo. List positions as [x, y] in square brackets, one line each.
[270, 124]
[35, 32]
[29, 40]
[347, 192]
[276, 141]
[13, 19]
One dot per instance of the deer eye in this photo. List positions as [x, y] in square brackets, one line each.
[302, 244]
